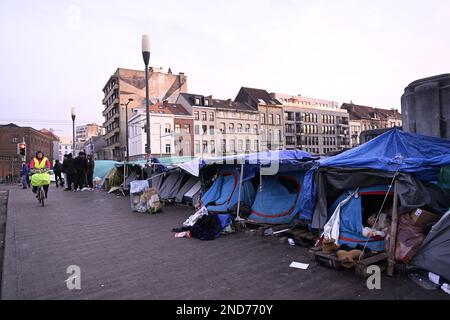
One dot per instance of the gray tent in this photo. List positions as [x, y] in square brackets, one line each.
[194, 193]
[434, 255]
[156, 180]
[171, 185]
[192, 181]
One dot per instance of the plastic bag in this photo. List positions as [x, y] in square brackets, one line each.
[409, 239]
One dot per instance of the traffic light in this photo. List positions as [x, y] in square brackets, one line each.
[22, 149]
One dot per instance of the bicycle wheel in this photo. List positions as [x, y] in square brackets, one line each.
[42, 195]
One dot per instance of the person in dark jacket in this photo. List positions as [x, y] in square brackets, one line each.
[90, 171]
[81, 167]
[69, 169]
[25, 175]
[57, 169]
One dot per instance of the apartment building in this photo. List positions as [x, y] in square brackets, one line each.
[170, 131]
[222, 127]
[364, 118]
[315, 125]
[270, 116]
[125, 84]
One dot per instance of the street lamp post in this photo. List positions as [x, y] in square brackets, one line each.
[126, 126]
[146, 57]
[73, 114]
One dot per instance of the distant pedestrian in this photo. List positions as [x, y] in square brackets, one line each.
[81, 167]
[68, 167]
[57, 169]
[25, 175]
[90, 171]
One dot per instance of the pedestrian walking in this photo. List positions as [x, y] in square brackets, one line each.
[90, 171]
[25, 175]
[81, 167]
[57, 169]
[68, 168]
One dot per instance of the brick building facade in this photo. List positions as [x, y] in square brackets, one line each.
[11, 135]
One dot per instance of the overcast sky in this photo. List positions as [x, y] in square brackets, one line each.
[59, 54]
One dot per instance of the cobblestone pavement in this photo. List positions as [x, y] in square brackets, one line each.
[127, 255]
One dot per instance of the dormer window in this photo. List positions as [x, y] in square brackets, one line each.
[206, 102]
[197, 101]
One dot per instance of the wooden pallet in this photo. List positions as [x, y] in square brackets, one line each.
[331, 261]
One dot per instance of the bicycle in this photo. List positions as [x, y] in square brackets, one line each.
[40, 193]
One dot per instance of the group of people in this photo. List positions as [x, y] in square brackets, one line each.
[78, 172]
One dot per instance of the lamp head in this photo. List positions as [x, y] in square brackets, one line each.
[145, 49]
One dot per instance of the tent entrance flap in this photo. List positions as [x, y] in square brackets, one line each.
[278, 199]
[223, 195]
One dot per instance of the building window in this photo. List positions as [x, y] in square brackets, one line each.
[205, 146]
[255, 145]
[204, 129]
[168, 148]
[247, 145]
[196, 115]
[187, 128]
[255, 128]
[270, 118]
[177, 128]
[263, 118]
[197, 101]
[239, 128]
[222, 127]
[197, 146]
[232, 146]
[231, 128]
[167, 128]
[240, 145]
[212, 146]
[278, 119]
[211, 129]
[211, 116]
[247, 128]
[223, 146]
[204, 118]
[206, 102]
[197, 129]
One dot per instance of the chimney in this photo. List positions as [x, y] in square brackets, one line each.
[169, 71]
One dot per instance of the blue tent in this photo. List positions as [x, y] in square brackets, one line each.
[351, 218]
[394, 150]
[223, 195]
[278, 198]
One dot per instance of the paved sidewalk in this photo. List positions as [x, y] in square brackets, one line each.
[127, 255]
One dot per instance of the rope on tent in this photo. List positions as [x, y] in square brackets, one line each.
[379, 212]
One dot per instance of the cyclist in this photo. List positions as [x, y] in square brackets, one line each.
[39, 166]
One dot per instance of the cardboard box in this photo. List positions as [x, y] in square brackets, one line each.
[423, 217]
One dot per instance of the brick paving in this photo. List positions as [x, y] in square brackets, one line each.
[127, 255]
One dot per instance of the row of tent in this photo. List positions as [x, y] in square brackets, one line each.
[282, 187]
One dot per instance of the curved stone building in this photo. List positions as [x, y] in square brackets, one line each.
[426, 106]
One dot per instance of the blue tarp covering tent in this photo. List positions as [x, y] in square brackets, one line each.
[394, 150]
[223, 195]
[351, 218]
[277, 200]
[279, 157]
